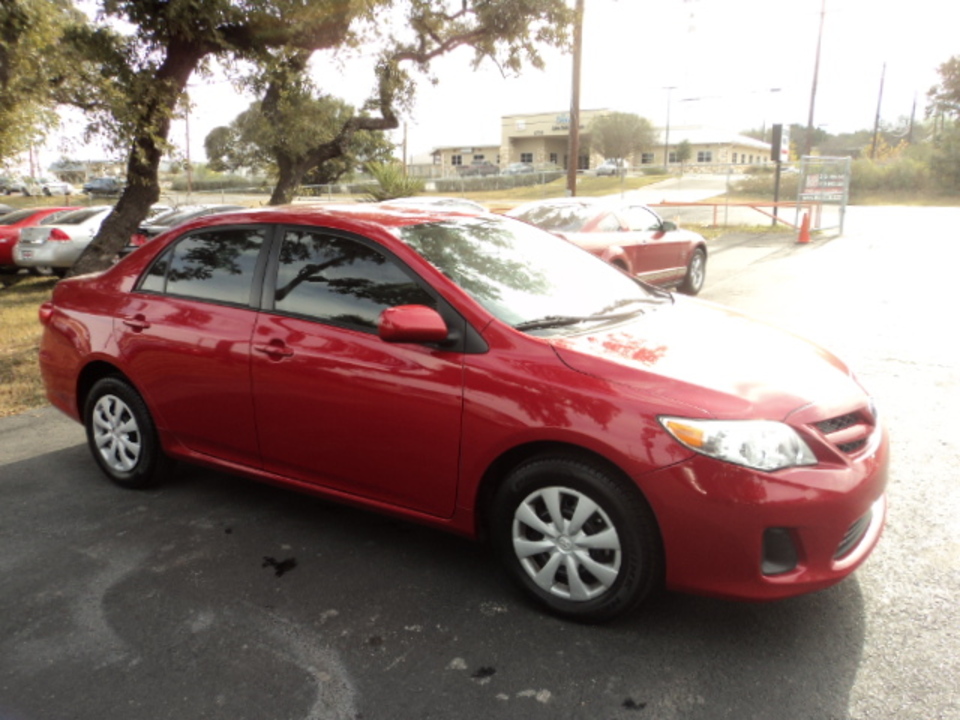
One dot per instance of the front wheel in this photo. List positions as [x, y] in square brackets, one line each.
[696, 273]
[121, 435]
[579, 539]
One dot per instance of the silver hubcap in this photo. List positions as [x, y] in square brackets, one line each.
[566, 543]
[116, 433]
[696, 271]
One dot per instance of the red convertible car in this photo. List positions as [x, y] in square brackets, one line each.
[480, 375]
[626, 234]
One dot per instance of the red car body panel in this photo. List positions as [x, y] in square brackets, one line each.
[420, 432]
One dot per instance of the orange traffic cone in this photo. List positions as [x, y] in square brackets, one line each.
[804, 236]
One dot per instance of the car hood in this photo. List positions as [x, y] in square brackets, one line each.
[715, 359]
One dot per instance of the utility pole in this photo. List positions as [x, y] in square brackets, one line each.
[876, 120]
[816, 72]
[666, 134]
[573, 145]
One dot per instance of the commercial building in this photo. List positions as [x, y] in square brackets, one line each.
[541, 139]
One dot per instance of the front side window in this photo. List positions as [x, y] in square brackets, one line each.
[340, 280]
[216, 265]
[640, 219]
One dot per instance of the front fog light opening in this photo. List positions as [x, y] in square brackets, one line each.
[779, 552]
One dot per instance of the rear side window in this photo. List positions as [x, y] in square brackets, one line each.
[340, 280]
[216, 265]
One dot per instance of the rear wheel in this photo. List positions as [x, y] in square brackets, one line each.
[121, 435]
[696, 273]
[579, 539]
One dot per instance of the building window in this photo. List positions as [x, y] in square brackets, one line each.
[456, 159]
[478, 158]
[672, 156]
[704, 156]
[554, 158]
[526, 157]
[734, 159]
[646, 159]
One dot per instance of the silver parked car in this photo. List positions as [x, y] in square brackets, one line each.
[58, 245]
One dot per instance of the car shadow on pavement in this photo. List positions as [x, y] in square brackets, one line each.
[163, 602]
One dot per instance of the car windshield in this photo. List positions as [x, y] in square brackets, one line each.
[524, 275]
[568, 217]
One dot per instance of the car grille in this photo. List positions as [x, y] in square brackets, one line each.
[853, 536]
[849, 433]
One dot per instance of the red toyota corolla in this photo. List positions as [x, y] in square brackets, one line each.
[480, 375]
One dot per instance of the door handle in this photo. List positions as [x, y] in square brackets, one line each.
[137, 322]
[275, 349]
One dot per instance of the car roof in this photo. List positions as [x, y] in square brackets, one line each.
[373, 214]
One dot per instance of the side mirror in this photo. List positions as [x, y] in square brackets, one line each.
[668, 226]
[411, 324]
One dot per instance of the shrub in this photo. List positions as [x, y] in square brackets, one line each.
[392, 182]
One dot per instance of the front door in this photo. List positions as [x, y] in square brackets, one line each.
[337, 406]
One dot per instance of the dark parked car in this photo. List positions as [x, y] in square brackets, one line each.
[485, 377]
[478, 167]
[626, 234]
[103, 186]
[163, 221]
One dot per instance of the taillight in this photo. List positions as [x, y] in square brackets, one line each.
[57, 234]
[138, 239]
[46, 312]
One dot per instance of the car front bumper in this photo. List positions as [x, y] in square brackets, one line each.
[737, 533]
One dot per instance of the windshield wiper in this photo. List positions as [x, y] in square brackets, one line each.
[555, 321]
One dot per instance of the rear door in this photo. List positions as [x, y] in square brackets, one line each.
[184, 336]
[335, 405]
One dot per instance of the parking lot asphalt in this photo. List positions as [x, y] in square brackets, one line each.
[215, 597]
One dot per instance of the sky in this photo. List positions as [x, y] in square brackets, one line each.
[731, 64]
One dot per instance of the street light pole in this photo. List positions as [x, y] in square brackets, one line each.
[816, 72]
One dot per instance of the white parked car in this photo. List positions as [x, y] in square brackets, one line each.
[52, 186]
[59, 244]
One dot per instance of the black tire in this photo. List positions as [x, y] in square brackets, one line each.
[42, 270]
[121, 435]
[46, 191]
[615, 548]
[696, 273]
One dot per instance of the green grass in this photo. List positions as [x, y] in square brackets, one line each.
[20, 299]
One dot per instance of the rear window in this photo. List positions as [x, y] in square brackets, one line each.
[76, 217]
[17, 216]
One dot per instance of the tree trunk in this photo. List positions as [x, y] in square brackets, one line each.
[143, 186]
[289, 174]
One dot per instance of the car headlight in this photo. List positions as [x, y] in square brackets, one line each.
[758, 444]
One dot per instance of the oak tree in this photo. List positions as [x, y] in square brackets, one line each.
[171, 39]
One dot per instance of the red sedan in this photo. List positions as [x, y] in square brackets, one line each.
[10, 225]
[480, 375]
[627, 235]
